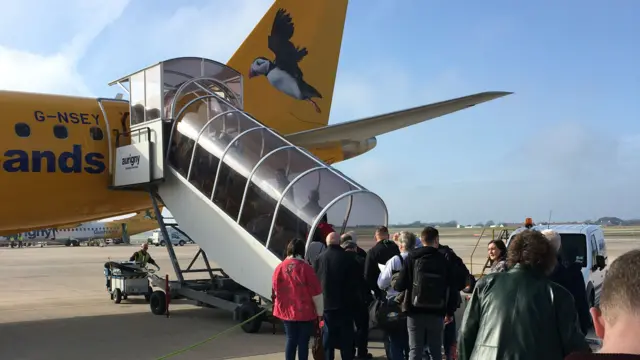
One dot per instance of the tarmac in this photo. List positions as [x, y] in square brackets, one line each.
[55, 306]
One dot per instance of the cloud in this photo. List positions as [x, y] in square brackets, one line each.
[50, 70]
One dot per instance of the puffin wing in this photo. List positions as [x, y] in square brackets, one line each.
[287, 54]
[366, 128]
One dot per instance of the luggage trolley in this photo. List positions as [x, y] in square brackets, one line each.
[128, 278]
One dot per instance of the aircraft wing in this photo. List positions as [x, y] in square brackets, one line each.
[381, 124]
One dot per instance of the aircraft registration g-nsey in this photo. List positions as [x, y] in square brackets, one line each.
[238, 151]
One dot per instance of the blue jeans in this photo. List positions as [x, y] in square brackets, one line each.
[298, 336]
[338, 332]
[397, 345]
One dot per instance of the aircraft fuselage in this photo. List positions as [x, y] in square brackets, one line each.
[55, 163]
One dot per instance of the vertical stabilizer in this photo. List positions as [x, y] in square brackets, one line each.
[289, 63]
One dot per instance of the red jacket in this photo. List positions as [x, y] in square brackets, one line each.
[325, 230]
[294, 286]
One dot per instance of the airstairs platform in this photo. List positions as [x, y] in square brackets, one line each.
[238, 188]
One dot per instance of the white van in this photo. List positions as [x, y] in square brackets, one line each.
[177, 238]
[585, 245]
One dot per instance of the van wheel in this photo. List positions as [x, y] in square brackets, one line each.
[181, 243]
[158, 303]
[117, 296]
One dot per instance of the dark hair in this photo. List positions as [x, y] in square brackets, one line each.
[382, 230]
[324, 219]
[620, 288]
[531, 249]
[501, 246]
[296, 247]
[429, 235]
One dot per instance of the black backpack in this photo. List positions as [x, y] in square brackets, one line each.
[431, 279]
[460, 274]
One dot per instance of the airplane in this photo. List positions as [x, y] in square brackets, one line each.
[69, 236]
[75, 235]
[56, 147]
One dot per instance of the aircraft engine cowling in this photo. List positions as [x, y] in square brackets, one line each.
[351, 149]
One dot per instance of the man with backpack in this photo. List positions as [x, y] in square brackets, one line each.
[431, 282]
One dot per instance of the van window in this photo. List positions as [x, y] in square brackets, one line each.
[574, 248]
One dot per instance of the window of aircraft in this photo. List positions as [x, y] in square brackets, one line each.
[96, 133]
[60, 131]
[22, 130]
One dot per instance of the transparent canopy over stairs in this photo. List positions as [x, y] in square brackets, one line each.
[238, 188]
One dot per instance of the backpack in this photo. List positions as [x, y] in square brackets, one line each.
[460, 274]
[431, 279]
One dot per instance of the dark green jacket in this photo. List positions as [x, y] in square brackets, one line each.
[519, 315]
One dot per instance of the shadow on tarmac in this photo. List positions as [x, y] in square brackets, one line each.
[135, 336]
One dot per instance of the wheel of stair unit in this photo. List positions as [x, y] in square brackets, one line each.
[116, 296]
[181, 243]
[247, 311]
[147, 296]
[158, 303]
[162, 243]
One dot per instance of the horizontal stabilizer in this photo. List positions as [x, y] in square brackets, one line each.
[381, 124]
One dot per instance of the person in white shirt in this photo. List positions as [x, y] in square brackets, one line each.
[396, 344]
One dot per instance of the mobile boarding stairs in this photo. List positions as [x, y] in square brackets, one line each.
[239, 189]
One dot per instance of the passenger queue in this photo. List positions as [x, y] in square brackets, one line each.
[531, 305]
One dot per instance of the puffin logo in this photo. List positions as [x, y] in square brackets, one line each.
[131, 162]
[283, 73]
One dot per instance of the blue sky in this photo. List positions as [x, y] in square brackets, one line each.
[568, 140]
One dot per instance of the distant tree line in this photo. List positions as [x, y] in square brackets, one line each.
[604, 221]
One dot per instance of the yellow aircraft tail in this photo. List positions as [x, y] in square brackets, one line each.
[289, 63]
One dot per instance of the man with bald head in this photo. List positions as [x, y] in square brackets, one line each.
[338, 275]
[617, 318]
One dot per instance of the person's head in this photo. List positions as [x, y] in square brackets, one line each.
[145, 246]
[619, 312]
[296, 248]
[382, 233]
[349, 246]
[344, 238]
[554, 239]
[406, 241]
[532, 250]
[333, 239]
[430, 236]
[496, 250]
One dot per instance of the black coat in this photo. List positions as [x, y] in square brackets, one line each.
[570, 277]
[338, 273]
[380, 253]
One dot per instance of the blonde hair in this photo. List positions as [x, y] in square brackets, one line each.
[553, 237]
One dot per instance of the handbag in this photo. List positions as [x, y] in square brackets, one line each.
[317, 350]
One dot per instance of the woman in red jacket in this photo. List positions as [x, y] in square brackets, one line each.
[297, 300]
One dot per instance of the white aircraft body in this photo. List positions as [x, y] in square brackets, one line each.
[71, 236]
